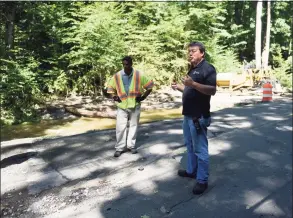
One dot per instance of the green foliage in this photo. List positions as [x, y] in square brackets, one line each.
[65, 47]
[97, 48]
[283, 71]
[19, 93]
[225, 60]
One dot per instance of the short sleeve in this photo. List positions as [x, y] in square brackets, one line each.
[211, 76]
[111, 86]
[146, 82]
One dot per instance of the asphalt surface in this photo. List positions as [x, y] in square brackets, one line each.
[250, 150]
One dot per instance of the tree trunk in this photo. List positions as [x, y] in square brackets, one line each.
[258, 34]
[88, 113]
[266, 50]
[101, 84]
[10, 19]
[291, 45]
[237, 12]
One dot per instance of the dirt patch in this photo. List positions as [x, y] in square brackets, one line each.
[101, 107]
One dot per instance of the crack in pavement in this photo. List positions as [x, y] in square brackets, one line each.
[171, 209]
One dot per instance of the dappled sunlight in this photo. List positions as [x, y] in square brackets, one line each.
[275, 151]
[259, 156]
[270, 208]
[159, 132]
[273, 118]
[169, 131]
[105, 137]
[270, 183]
[223, 125]
[252, 197]
[44, 180]
[265, 113]
[219, 148]
[36, 207]
[210, 201]
[232, 115]
[233, 166]
[284, 128]
[288, 167]
[175, 131]
[76, 145]
[10, 187]
[273, 108]
[233, 118]
[256, 132]
[248, 167]
[260, 202]
[159, 149]
[151, 186]
[272, 164]
[243, 124]
[81, 171]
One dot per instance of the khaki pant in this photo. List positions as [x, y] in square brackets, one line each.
[126, 137]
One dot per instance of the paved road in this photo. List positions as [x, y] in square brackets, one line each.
[250, 171]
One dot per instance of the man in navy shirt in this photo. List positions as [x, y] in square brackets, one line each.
[198, 86]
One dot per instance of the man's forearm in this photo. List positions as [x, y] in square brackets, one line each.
[205, 89]
[147, 92]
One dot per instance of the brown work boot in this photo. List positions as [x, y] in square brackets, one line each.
[183, 173]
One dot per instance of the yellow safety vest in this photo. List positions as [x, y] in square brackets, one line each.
[138, 83]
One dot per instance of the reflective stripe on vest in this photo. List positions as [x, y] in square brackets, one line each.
[135, 90]
[120, 93]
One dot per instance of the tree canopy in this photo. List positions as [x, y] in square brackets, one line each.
[58, 48]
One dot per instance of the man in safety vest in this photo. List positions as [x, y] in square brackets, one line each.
[128, 88]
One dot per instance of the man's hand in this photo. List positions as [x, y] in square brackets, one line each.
[187, 81]
[174, 85]
[116, 98]
[204, 89]
[139, 98]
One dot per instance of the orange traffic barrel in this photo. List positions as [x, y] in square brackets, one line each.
[267, 92]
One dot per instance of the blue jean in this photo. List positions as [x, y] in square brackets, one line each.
[197, 148]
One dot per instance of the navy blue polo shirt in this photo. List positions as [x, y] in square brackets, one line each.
[195, 103]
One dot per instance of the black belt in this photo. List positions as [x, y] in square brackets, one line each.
[204, 116]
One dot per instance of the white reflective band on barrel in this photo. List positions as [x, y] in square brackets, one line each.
[267, 95]
[266, 89]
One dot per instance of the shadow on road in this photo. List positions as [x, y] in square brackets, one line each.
[17, 159]
[250, 168]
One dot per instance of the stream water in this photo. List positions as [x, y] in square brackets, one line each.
[77, 125]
